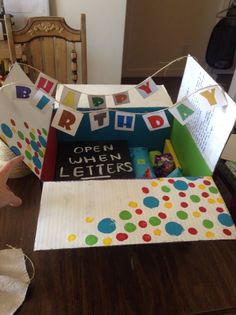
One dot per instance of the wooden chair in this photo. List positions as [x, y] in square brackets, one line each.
[45, 43]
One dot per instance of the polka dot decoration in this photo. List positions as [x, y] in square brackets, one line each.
[23, 139]
[167, 210]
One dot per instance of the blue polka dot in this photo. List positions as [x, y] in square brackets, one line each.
[15, 150]
[34, 145]
[193, 177]
[225, 219]
[37, 162]
[7, 130]
[42, 141]
[174, 228]
[180, 185]
[107, 225]
[151, 202]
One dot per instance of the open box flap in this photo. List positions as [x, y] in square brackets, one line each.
[200, 142]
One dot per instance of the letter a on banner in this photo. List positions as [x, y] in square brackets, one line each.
[99, 119]
[67, 120]
[182, 111]
[45, 83]
[147, 88]
[124, 121]
[156, 120]
[70, 97]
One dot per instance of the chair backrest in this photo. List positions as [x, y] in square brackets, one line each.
[50, 45]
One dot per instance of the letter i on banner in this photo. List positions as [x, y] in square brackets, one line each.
[45, 83]
[121, 98]
[99, 119]
[97, 101]
[182, 111]
[156, 120]
[124, 121]
[67, 120]
[147, 88]
[70, 97]
[42, 101]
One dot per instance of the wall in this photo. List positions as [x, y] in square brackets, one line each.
[160, 31]
[105, 20]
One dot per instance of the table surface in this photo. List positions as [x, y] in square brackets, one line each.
[171, 278]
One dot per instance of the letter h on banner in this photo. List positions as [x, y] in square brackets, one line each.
[124, 121]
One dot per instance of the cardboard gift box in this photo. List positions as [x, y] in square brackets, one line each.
[133, 211]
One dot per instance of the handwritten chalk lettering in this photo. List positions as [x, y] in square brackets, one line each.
[94, 160]
[96, 148]
[95, 170]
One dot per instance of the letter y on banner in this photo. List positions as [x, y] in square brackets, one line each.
[67, 120]
[147, 88]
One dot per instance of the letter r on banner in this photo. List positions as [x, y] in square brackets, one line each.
[67, 120]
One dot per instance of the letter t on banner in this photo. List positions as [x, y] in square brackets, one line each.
[67, 120]
[156, 120]
[99, 120]
[124, 121]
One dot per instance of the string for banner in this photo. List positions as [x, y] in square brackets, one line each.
[120, 109]
[127, 90]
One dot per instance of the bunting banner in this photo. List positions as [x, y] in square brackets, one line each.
[23, 96]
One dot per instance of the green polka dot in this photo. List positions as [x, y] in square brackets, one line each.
[32, 136]
[165, 189]
[213, 190]
[125, 215]
[21, 135]
[40, 152]
[182, 215]
[28, 155]
[195, 198]
[208, 224]
[91, 240]
[45, 131]
[130, 227]
[154, 221]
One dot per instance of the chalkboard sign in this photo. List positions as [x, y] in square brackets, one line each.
[93, 160]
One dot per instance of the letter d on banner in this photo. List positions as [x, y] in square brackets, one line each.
[156, 120]
[67, 120]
